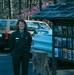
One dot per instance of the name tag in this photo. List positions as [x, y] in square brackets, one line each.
[16, 38]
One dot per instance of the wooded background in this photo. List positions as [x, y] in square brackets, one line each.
[23, 8]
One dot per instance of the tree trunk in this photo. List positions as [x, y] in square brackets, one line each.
[40, 63]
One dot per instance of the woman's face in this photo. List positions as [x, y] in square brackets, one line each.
[21, 26]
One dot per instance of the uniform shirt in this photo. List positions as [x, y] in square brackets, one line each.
[20, 43]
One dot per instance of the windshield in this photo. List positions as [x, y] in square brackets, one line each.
[32, 25]
[3, 25]
[36, 25]
[43, 26]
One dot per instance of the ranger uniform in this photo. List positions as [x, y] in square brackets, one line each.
[20, 44]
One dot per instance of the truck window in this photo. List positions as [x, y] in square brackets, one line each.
[3, 25]
[12, 25]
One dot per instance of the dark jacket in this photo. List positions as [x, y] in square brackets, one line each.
[18, 44]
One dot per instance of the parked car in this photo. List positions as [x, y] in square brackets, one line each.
[7, 26]
[42, 41]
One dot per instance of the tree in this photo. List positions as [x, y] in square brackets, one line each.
[23, 7]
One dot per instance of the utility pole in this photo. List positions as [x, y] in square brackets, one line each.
[19, 7]
[9, 9]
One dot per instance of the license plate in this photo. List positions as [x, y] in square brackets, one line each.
[0, 35]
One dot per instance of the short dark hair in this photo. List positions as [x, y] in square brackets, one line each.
[17, 25]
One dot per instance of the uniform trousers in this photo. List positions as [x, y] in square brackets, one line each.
[21, 58]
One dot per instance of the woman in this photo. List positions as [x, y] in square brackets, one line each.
[20, 43]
